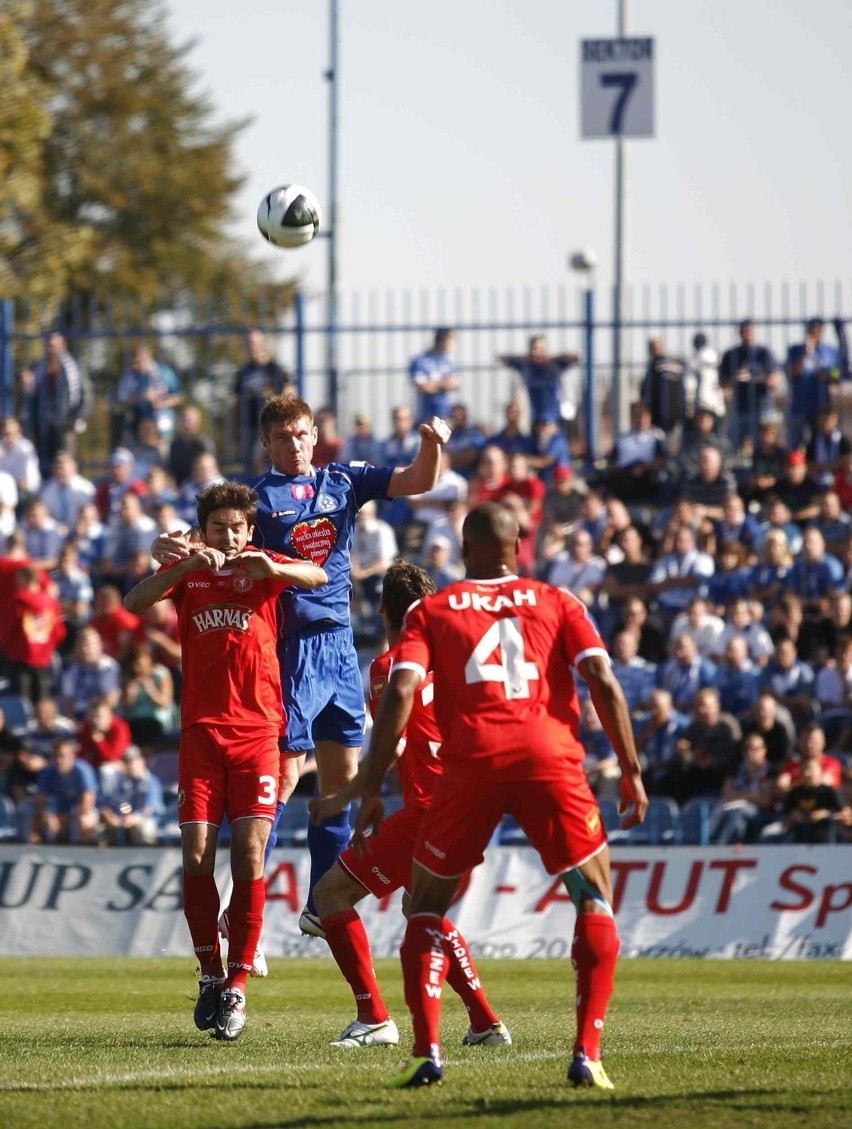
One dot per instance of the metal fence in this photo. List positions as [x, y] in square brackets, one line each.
[377, 334]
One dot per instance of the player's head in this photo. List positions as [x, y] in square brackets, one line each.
[226, 514]
[490, 541]
[288, 433]
[403, 585]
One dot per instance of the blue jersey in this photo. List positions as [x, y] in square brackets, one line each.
[312, 517]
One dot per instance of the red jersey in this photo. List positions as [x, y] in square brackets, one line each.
[419, 766]
[228, 631]
[502, 653]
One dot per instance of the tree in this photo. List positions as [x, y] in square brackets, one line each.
[114, 176]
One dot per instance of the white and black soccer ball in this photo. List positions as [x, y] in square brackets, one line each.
[289, 216]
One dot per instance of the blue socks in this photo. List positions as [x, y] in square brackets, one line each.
[326, 844]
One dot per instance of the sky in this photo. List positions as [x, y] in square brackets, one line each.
[460, 160]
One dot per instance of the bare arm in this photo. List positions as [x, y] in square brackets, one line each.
[611, 706]
[147, 592]
[301, 574]
[423, 472]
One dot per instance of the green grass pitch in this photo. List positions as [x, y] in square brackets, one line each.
[110, 1042]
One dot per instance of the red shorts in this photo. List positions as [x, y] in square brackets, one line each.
[387, 865]
[560, 818]
[227, 769]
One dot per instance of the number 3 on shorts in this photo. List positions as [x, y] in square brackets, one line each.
[268, 789]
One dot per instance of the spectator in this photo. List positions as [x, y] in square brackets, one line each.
[711, 485]
[702, 389]
[42, 536]
[187, 444]
[735, 524]
[738, 680]
[147, 698]
[834, 525]
[617, 520]
[750, 379]
[205, 473]
[492, 476]
[786, 618]
[578, 569]
[732, 578]
[815, 574]
[374, 548]
[652, 640]
[796, 490]
[147, 450]
[638, 459]
[403, 442]
[132, 803]
[562, 499]
[54, 398]
[790, 680]
[657, 738]
[158, 629]
[116, 626]
[449, 526]
[628, 577]
[329, 445]
[702, 625]
[594, 517]
[434, 377]
[526, 531]
[66, 791]
[22, 776]
[541, 376]
[363, 446]
[747, 795]
[811, 749]
[677, 574]
[18, 457]
[819, 637]
[777, 516]
[147, 392]
[438, 565]
[121, 481]
[66, 492]
[739, 623]
[827, 448]
[768, 578]
[768, 460]
[550, 449]
[258, 379]
[46, 728]
[512, 439]
[811, 368]
[833, 684]
[466, 442]
[8, 505]
[130, 532]
[686, 673]
[843, 481]
[31, 630]
[449, 488]
[168, 520]
[601, 764]
[90, 674]
[637, 676]
[88, 538]
[525, 484]
[662, 387]
[701, 434]
[706, 751]
[104, 735]
[810, 808]
[775, 725]
[161, 490]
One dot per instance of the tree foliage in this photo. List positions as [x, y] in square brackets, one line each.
[114, 175]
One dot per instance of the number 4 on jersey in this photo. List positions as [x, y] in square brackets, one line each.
[511, 668]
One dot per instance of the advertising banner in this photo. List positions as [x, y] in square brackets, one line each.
[773, 903]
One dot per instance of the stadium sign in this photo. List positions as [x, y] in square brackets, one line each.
[617, 87]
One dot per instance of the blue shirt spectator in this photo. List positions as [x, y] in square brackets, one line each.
[363, 446]
[433, 375]
[465, 444]
[814, 574]
[542, 377]
[511, 438]
[685, 673]
[810, 368]
[550, 449]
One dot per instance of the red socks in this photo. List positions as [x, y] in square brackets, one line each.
[424, 969]
[463, 978]
[350, 947]
[594, 955]
[201, 910]
[245, 921]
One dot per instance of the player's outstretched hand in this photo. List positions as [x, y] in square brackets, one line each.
[325, 807]
[370, 815]
[436, 430]
[170, 547]
[634, 802]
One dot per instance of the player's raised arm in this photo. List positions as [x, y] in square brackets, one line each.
[423, 472]
[614, 713]
[153, 588]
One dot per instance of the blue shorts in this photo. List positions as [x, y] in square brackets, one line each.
[322, 688]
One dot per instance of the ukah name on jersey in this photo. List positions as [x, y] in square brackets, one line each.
[461, 601]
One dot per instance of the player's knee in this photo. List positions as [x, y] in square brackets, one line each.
[585, 894]
[336, 892]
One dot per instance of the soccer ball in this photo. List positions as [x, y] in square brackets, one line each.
[289, 216]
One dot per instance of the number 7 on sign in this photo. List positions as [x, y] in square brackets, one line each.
[512, 670]
[625, 82]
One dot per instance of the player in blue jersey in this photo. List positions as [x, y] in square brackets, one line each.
[310, 513]
[433, 374]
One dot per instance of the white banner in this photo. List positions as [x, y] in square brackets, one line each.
[776, 903]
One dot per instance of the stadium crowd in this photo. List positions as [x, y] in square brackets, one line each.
[712, 546]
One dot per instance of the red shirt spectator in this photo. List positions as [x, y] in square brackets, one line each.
[104, 736]
[31, 628]
[116, 626]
